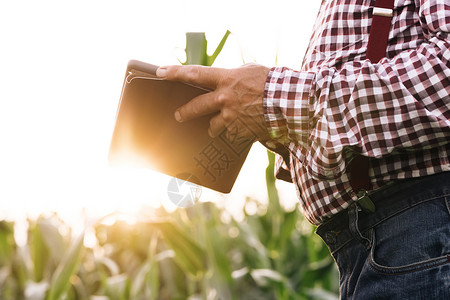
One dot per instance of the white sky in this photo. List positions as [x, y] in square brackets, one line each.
[61, 69]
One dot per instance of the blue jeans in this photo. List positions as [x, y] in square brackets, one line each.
[400, 251]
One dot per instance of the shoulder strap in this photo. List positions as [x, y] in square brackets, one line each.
[376, 50]
[379, 31]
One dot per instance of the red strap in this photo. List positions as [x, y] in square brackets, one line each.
[379, 32]
[376, 50]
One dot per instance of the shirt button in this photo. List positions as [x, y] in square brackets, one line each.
[330, 238]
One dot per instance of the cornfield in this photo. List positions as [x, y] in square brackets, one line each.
[200, 252]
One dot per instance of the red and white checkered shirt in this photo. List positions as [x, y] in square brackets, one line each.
[396, 111]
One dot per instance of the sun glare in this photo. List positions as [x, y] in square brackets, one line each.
[62, 73]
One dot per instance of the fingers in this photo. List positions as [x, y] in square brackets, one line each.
[216, 125]
[236, 94]
[206, 77]
[232, 126]
[202, 105]
[200, 76]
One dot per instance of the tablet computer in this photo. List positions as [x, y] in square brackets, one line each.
[146, 133]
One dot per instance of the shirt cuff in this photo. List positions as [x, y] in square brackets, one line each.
[288, 106]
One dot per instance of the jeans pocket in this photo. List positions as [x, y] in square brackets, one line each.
[415, 239]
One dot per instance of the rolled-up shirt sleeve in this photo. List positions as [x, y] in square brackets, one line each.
[372, 109]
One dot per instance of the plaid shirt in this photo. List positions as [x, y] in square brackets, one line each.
[396, 111]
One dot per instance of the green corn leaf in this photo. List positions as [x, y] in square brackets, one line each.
[146, 282]
[7, 243]
[196, 49]
[188, 254]
[219, 48]
[68, 266]
[21, 267]
[274, 199]
[287, 229]
[39, 252]
[152, 280]
[320, 294]
[117, 286]
[265, 277]
[52, 238]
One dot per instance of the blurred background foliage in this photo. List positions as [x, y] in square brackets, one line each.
[200, 252]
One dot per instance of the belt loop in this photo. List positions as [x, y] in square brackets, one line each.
[353, 212]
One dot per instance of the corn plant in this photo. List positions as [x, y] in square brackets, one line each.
[196, 49]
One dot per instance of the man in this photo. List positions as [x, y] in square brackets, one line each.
[394, 241]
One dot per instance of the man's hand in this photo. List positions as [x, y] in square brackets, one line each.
[236, 97]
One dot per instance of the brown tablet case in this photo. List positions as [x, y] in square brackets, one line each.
[146, 133]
